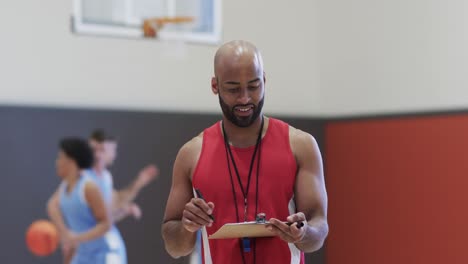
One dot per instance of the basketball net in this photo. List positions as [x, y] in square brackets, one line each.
[174, 48]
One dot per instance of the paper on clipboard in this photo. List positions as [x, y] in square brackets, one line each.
[245, 229]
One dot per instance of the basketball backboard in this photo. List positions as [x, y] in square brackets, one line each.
[125, 18]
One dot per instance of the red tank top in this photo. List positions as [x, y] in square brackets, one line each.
[276, 179]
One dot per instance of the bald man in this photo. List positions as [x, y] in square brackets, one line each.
[244, 165]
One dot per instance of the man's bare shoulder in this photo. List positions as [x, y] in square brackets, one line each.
[297, 136]
[301, 141]
[189, 153]
[192, 146]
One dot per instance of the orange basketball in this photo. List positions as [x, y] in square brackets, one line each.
[42, 238]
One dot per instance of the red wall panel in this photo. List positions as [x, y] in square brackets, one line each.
[398, 190]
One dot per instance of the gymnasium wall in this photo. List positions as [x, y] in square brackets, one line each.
[43, 64]
[397, 189]
[29, 138]
[395, 183]
[392, 56]
[332, 58]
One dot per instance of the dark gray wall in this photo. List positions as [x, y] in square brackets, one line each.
[28, 140]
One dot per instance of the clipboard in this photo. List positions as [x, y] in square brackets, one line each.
[244, 229]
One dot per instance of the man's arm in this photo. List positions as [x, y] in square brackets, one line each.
[53, 210]
[184, 214]
[125, 210]
[55, 215]
[310, 196]
[122, 205]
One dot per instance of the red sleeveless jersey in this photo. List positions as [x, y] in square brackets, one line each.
[276, 179]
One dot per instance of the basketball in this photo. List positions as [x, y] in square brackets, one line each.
[42, 238]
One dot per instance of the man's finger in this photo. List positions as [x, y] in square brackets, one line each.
[198, 212]
[296, 217]
[279, 224]
[200, 203]
[280, 233]
[189, 225]
[197, 218]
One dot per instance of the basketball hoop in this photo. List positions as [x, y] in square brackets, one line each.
[152, 26]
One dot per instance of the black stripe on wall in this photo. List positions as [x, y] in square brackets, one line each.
[29, 138]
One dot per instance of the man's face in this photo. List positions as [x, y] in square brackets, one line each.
[240, 86]
[110, 148]
[241, 115]
[63, 164]
[104, 152]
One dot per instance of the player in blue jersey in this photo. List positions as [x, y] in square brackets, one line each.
[120, 203]
[82, 205]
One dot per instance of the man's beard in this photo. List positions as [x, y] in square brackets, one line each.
[241, 121]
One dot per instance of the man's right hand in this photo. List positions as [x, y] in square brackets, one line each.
[68, 245]
[67, 253]
[134, 210]
[197, 214]
[67, 249]
[69, 240]
[147, 175]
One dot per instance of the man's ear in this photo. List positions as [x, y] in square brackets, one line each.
[214, 85]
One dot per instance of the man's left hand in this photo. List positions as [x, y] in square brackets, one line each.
[290, 231]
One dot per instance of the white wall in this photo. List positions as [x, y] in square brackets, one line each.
[322, 58]
[381, 56]
[43, 63]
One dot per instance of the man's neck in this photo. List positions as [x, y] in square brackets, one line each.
[99, 169]
[71, 180]
[243, 137]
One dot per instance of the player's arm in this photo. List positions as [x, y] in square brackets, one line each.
[124, 210]
[55, 215]
[310, 196]
[122, 205]
[98, 207]
[53, 210]
[184, 214]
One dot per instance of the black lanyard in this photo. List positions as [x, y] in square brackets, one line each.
[245, 193]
